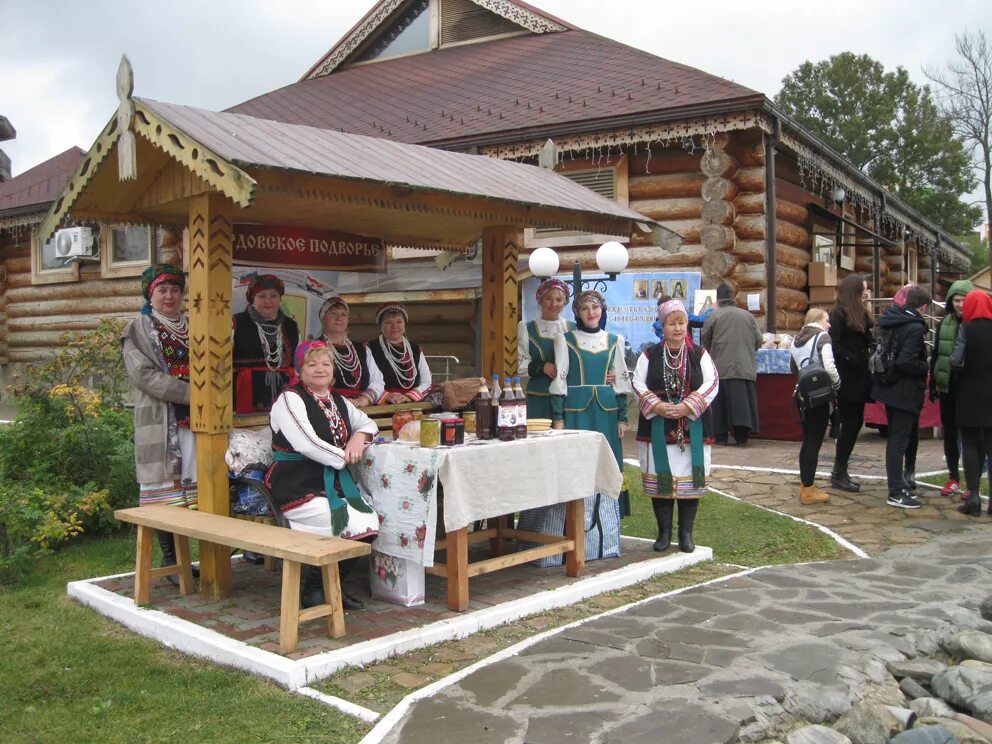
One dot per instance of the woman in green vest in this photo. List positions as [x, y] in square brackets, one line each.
[943, 384]
[536, 346]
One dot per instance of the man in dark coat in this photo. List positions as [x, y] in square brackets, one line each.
[902, 329]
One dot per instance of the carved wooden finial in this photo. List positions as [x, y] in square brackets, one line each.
[548, 157]
[127, 166]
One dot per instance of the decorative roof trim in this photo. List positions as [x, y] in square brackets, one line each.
[224, 176]
[16, 224]
[527, 19]
[663, 134]
[78, 180]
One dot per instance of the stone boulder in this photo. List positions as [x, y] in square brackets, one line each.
[970, 644]
[985, 608]
[816, 734]
[868, 723]
[966, 688]
[931, 707]
[935, 734]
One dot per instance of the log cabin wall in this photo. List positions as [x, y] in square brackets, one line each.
[34, 317]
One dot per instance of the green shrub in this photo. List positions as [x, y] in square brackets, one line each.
[67, 461]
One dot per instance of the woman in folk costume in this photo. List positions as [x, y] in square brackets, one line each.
[356, 376]
[155, 348]
[675, 382]
[264, 341]
[535, 346]
[404, 369]
[316, 434]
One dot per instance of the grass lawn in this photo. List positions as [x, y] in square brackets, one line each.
[69, 675]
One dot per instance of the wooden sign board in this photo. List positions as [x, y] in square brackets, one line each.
[307, 248]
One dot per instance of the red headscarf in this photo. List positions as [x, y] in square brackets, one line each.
[977, 305]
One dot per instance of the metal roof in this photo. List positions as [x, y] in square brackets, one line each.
[250, 142]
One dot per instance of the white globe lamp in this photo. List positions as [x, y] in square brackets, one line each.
[611, 258]
[543, 262]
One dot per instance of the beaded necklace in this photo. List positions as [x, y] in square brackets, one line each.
[403, 365]
[675, 381]
[270, 337]
[347, 361]
[339, 430]
[178, 327]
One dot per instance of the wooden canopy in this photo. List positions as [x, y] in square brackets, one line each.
[162, 163]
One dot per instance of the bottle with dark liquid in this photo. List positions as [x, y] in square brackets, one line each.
[507, 412]
[518, 393]
[483, 412]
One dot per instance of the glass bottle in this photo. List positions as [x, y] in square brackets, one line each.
[518, 392]
[507, 412]
[483, 412]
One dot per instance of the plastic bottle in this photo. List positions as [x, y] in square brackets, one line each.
[483, 412]
[507, 412]
[518, 391]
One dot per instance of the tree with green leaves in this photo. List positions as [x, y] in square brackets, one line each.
[965, 95]
[890, 128]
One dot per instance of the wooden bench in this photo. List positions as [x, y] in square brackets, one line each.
[292, 546]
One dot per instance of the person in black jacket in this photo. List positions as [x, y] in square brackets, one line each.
[850, 336]
[903, 330]
[974, 400]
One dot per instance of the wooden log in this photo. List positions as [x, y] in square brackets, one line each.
[786, 299]
[689, 229]
[754, 204]
[662, 162]
[896, 277]
[751, 180]
[60, 322]
[752, 227]
[667, 185]
[756, 275]
[716, 162]
[28, 356]
[718, 213]
[75, 290]
[34, 339]
[95, 306]
[753, 251]
[863, 266]
[748, 153]
[718, 189]
[689, 207]
[646, 257]
[788, 320]
[18, 265]
[891, 250]
[717, 237]
[421, 313]
[892, 261]
[18, 250]
[718, 264]
[422, 334]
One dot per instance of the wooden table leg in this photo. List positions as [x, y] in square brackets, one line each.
[289, 620]
[143, 566]
[332, 596]
[497, 545]
[575, 517]
[186, 585]
[457, 567]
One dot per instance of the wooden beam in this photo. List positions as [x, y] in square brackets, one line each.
[209, 303]
[426, 295]
[500, 296]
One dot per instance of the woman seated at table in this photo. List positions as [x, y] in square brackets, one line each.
[264, 340]
[404, 369]
[356, 375]
[536, 346]
[316, 434]
[583, 398]
[675, 382]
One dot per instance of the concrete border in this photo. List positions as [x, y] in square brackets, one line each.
[187, 637]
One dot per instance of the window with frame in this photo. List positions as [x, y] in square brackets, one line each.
[47, 267]
[125, 250]
[912, 265]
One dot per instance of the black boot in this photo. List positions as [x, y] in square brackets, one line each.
[311, 587]
[840, 479]
[687, 518]
[663, 509]
[973, 506]
[167, 542]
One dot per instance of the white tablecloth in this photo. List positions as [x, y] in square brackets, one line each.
[481, 480]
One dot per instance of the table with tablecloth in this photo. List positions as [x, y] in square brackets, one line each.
[481, 481]
[774, 386]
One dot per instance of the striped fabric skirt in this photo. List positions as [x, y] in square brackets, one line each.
[183, 490]
[681, 464]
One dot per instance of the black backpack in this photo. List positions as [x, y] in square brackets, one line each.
[881, 357]
[813, 386]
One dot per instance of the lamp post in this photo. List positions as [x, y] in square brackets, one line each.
[611, 258]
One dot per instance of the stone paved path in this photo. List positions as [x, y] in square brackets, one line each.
[749, 658]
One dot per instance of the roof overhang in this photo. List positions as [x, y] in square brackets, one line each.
[285, 174]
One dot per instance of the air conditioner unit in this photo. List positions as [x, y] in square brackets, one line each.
[74, 241]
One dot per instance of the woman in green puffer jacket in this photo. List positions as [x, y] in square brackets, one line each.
[943, 384]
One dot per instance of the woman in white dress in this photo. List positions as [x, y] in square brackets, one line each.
[675, 383]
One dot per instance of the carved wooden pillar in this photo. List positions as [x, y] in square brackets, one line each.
[500, 313]
[209, 301]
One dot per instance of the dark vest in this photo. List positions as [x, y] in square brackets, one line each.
[248, 353]
[655, 383]
[295, 481]
[388, 376]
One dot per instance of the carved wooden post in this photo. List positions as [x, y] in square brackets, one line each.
[500, 314]
[209, 301]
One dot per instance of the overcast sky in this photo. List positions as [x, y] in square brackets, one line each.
[58, 58]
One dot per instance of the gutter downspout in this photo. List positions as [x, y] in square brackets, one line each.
[771, 227]
[876, 271]
[934, 257]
